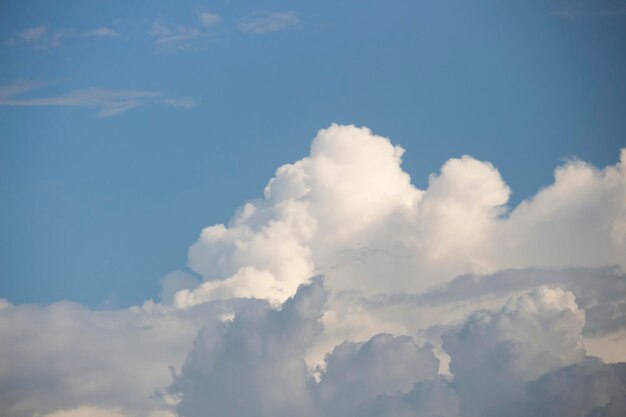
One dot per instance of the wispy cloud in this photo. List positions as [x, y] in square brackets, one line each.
[185, 102]
[40, 37]
[177, 37]
[260, 23]
[184, 37]
[207, 19]
[45, 37]
[32, 34]
[102, 32]
[109, 102]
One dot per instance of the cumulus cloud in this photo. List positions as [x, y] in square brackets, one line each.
[356, 374]
[588, 388]
[254, 365]
[525, 358]
[532, 334]
[65, 356]
[600, 291]
[434, 302]
[349, 211]
[314, 208]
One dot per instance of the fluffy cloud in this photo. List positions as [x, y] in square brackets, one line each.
[64, 356]
[434, 302]
[532, 334]
[355, 374]
[349, 211]
[525, 358]
[589, 388]
[254, 365]
[249, 359]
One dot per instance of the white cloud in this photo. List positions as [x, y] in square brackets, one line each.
[66, 361]
[174, 282]
[170, 37]
[184, 37]
[65, 356]
[254, 365]
[260, 23]
[534, 341]
[355, 374]
[41, 37]
[45, 37]
[108, 102]
[350, 212]
[32, 34]
[414, 280]
[90, 411]
[532, 334]
[207, 19]
[185, 102]
[588, 388]
[102, 32]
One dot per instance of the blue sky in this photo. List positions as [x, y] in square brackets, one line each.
[127, 127]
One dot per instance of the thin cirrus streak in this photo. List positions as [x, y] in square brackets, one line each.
[263, 22]
[109, 102]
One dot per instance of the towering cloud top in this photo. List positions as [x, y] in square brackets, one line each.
[350, 212]
[346, 291]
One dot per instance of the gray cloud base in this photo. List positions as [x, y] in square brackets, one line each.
[524, 359]
[416, 283]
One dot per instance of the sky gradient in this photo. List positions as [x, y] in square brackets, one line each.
[322, 209]
[98, 207]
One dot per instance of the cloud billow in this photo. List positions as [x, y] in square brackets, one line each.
[501, 360]
[435, 302]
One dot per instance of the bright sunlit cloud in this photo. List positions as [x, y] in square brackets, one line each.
[393, 325]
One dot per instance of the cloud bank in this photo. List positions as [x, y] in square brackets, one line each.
[349, 211]
[434, 302]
